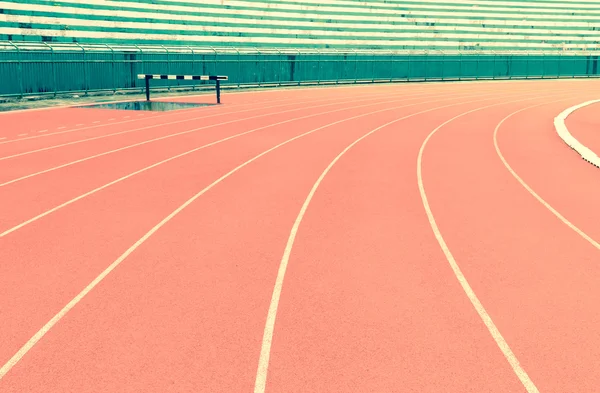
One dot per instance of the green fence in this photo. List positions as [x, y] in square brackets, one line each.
[34, 69]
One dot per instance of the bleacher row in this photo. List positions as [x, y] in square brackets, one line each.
[343, 24]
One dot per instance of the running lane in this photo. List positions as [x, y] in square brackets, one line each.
[50, 119]
[128, 123]
[379, 308]
[78, 243]
[537, 278]
[37, 154]
[186, 310]
[31, 124]
[532, 147]
[27, 130]
[30, 197]
[22, 158]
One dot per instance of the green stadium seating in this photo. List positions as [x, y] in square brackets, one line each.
[530, 26]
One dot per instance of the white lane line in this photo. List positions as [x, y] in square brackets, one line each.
[111, 119]
[234, 107]
[33, 219]
[182, 111]
[187, 120]
[263, 363]
[191, 131]
[265, 350]
[126, 117]
[61, 128]
[562, 130]
[530, 190]
[2, 138]
[96, 122]
[22, 134]
[77, 129]
[370, 96]
[194, 130]
[40, 131]
[481, 311]
[40, 333]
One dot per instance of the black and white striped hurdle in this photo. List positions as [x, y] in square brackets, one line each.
[216, 78]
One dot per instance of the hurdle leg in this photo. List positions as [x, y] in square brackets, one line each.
[147, 88]
[218, 87]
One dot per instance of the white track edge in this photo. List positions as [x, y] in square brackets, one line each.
[565, 135]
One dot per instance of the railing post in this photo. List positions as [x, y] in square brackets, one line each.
[53, 67]
[143, 64]
[373, 67]
[192, 50]
[543, 65]
[19, 69]
[559, 61]
[426, 65]
[460, 64]
[297, 60]
[85, 73]
[239, 75]
[508, 59]
[261, 75]
[408, 56]
[114, 82]
[443, 56]
[168, 67]
[218, 87]
[280, 63]
[215, 61]
[319, 67]
[477, 68]
[339, 71]
[392, 55]
[355, 66]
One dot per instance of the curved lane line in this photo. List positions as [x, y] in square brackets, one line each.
[565, 135]
[483, 314]
[530, 190]
[73, 200]
[180, 112]
[164, 137]
[202, 128]
[372, 96]
[265, 352]
[54, 320]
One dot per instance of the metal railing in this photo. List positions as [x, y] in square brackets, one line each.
[31, 68]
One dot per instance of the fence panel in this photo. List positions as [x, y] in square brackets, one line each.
[551, 66]
[34, 69]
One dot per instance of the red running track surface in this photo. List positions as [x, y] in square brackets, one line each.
[397, 238]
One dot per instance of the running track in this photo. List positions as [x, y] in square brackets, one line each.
[382, 238]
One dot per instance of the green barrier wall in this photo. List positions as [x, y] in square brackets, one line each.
[30, 70]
